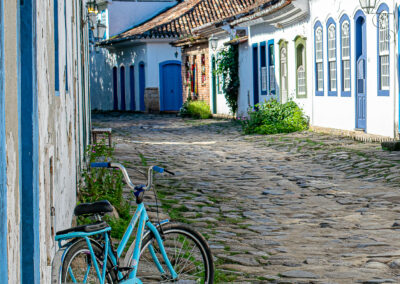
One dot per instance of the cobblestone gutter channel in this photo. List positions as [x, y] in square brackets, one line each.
[298, 208]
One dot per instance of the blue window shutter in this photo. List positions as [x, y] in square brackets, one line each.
[255, 74]
[263, 64]
[271, 68]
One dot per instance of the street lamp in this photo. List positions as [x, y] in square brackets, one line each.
[367, 5]
[214, 42]
[101, 30]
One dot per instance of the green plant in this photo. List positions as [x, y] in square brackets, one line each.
[272, 117]
[100, 184]
[228, 67]
[195, 109]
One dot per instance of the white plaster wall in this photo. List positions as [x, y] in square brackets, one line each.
[222, 106]
[260, 33]
[246, 79]
[125, 15]
[339, 112]
[102, 63]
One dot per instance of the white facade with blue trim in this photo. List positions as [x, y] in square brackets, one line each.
[45, 125]
[350, 61]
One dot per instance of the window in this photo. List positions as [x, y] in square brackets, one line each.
[122, 82]
[383, 51]
[283, 71]
[301, 71]
[319, 60]
[255, 74]
[345, 56]
[332, 64]
[271, 68]
[56, 58]
[115, 88]
[263, 68]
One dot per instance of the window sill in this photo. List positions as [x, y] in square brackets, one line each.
[332, 93]
[57, 93]
[345, 94]
[319, 93]
[383, 93]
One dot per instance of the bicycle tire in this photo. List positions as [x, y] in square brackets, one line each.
[177, 237]
[81, 249]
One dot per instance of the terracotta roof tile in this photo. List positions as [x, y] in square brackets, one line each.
[181, 19]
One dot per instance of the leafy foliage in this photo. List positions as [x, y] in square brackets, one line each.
[228, 67]
[195, 109]
[101, 183]
[272, 117]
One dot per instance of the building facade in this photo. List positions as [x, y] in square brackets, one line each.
[45, 126]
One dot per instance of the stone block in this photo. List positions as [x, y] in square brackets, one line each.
[152, 100]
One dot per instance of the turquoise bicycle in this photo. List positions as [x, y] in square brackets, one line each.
[161, 253]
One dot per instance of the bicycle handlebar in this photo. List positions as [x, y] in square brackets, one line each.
[126, 176]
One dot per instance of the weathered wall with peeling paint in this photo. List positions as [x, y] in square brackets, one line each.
[64, 124]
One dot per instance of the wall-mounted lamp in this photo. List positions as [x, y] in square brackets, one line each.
[214, 42]
[368, 5]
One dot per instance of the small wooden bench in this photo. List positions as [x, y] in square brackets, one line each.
[96, 132]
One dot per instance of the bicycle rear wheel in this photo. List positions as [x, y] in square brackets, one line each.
[187, 251]
[77, 266]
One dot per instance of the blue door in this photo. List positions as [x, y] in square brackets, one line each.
[361, 72]
[122, 79]
[142, 85]
[115, 88]
[361, 103]
[255, 74]
[3, 179]
[170, 86]
[132, 87]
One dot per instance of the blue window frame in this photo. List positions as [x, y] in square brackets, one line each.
[271, 68]
[383, 50]
[263, 68]
[319, 59]
[331, 57]
[122, 81]
[56, 58]
[345, 56]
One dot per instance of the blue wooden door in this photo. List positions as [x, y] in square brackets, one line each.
[115, 88]
[170, 86]
[361, 104]
[255, 74]
[132, 87]
[122, 74]
[142, 85]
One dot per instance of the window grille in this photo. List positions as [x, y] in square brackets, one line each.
[301, 80]
[384, 51]
[319, 59]
[346, 55]
[332, 57]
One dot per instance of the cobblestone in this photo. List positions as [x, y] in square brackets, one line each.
[312, 207]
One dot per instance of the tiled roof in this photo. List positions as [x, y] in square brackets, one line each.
[181, 19]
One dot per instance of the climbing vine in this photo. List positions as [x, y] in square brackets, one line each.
[228, 67]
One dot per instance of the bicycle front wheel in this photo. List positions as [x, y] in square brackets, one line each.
[188, 252]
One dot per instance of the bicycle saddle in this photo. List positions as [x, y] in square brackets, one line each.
[98, 207]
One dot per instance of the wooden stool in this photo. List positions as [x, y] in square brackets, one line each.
[102, 131]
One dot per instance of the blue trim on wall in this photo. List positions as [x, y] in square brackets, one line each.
[398, 65]
[263, 63]
[29, 167]
[344, 93]
[270, 42]
[255, 74]
[132, 86]
[142, 84]
[115, 87]
[318, 93]
[383, 7]
[66, 46]
[328, 23]
[122, 81]
[56, 51]
[3, 161]
[161, 80]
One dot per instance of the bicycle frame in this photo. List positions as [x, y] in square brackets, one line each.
[141, 216]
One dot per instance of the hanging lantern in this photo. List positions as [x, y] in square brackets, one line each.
[368, 5]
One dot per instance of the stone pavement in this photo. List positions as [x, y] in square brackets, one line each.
[293, 208]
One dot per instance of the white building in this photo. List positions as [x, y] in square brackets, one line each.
[335, 61]
[44, 128]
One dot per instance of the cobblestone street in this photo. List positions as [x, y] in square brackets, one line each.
[293, 208]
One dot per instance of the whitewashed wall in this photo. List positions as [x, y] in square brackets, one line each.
[330, 111]
[222, 106]
[151, 54]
